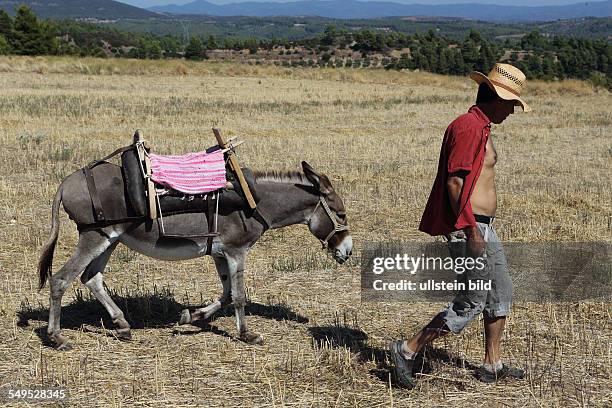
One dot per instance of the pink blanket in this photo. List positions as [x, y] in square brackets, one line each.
[191, 173]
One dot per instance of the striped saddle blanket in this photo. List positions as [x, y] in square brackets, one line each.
[191, 173]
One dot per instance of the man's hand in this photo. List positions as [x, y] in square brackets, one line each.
[476, 244]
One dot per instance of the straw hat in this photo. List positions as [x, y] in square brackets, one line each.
[507, 82]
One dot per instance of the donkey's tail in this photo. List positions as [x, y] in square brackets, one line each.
[45, 261]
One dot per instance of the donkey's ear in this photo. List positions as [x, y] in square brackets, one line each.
[320, 181]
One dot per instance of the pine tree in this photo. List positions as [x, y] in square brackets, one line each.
[548, 67]
[5, 47]
[474, 36]
[211, 43]
[195, 49]
[329, 36]
[6, 25]
[443, 60]
[470, 53]
[486, 57]
[28, 36]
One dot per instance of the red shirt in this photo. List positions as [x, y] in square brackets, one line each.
[462, 153]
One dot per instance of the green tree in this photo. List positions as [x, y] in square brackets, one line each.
[486, 57]
[470, 53]
[252, 44]
[211, 43]
[457, 65]
[149, 47]
[329, 35]
[30, 37]
[548, 67]
[170, 46]
[5, 47]
[6, 25]
[474, 36]
[533, 41]
[195, 49]
[444, 60]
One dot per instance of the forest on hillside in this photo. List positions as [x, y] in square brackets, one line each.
[539, 56]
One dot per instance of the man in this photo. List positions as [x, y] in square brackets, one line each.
[462, 206]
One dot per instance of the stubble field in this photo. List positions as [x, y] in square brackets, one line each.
[376, 134]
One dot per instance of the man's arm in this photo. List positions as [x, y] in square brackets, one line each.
[454, 184]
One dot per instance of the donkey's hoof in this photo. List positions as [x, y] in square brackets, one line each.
[185, 317]
[124, 335]
[252, 338]
[64, 347]
[61, 342]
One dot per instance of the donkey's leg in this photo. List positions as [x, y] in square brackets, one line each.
[91, 245]
[94, 280]
[205, 312]
[236, 265]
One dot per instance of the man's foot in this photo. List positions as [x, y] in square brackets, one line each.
[489, 377]
[403, 367]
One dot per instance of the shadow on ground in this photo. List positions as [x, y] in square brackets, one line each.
[355, 340]
[143, 311]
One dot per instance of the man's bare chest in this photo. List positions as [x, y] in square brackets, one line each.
[490, 158]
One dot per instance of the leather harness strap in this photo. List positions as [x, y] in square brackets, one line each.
[93, 192]
[105, 158]
[263, 219]
[212, 220]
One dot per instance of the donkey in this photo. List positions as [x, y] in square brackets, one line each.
[285, 199]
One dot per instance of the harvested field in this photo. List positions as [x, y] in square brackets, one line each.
[377, 135]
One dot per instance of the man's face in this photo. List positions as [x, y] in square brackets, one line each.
[501, 110]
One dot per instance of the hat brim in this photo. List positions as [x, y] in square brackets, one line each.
[480, 78]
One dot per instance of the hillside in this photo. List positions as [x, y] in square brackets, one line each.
[94, 9]
[297, 28]
[347, 9]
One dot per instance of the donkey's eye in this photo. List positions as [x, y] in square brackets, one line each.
[341, 215]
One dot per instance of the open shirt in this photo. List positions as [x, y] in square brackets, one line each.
[462, 154]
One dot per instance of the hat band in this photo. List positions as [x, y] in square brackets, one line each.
[507, 88]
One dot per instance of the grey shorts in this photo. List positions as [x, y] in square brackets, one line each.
[469, 303]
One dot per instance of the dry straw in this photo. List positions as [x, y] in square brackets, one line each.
[377, 135]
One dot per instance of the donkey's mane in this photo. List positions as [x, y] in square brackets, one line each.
[282, 177]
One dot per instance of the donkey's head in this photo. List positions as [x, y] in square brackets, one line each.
[328, 220]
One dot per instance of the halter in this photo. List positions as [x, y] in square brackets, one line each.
[333, 218]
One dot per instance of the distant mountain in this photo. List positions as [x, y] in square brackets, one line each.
[97, 9]
[347, 9]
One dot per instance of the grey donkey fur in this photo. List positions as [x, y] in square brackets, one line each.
[286, 199]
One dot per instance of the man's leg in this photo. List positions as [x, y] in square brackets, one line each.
[435, 329]
[404, 352]
[494, 328]
[498, 305]
[466, 306]
[493, 369]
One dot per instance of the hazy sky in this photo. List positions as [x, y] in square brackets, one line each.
[150, 3]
